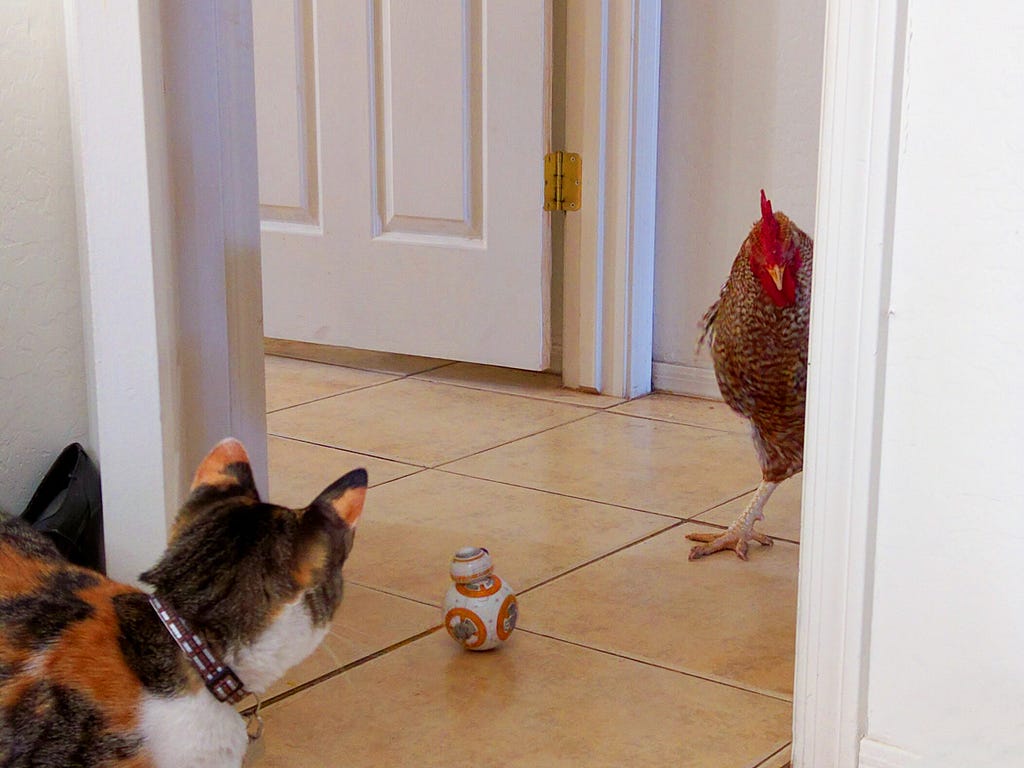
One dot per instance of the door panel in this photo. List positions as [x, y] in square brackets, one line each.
[286, 111]
[400, 185]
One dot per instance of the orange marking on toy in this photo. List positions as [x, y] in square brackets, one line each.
[504, 616]
[463, 613]
[485, 592]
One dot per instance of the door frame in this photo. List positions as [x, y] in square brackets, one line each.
[862, 90]
[168, 246]
[611, 106]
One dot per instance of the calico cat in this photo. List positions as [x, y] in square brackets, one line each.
[91, 676]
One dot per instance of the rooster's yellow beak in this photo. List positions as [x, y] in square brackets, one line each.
[776, 273]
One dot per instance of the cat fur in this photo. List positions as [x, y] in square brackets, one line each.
[90, 677]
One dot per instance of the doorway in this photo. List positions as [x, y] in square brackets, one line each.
[849, 410]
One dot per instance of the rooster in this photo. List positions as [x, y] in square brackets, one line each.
[757, 333]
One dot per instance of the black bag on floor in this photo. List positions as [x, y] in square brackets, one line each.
[68, 508]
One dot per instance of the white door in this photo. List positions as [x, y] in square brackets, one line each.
[401, 189]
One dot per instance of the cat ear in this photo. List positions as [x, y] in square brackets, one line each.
[225, 472]
[342, 501]
[344, 497]
[226, 468]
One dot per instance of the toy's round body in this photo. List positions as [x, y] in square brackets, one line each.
[480, 610]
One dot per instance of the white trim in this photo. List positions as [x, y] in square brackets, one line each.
[585, 78]
[875, 754]
[635, 37]
[685, 380]
[210, 90]
[853, 246]
[125, 252]
[612, 116]
[164, 156]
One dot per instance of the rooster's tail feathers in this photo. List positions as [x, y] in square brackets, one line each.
[707, 325]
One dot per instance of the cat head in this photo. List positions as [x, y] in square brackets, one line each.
[261, 582]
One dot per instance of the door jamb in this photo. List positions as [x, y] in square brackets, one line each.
[612, 116]
[169, 252]
[861, 103]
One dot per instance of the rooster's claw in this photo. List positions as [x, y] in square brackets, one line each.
[736, 540]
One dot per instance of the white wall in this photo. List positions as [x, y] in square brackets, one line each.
[42, 369]
[946, 677]
[740, 105]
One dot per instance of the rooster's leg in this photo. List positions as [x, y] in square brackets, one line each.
[737, 536]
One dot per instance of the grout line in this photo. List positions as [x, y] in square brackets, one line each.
[337, 394]
[515, 440]
[590, 411]
[561, 494]
[420, 468]
[520, 395]
[383, 591]
[442, 468]
[397, 374]
[648, 663]
[680, 423]
[776, 753]
[494, 391]
[348, 450]
[394, 377]
[419, 471]
[340, 670]
[615, 551]
[428, 370]
[730, 500]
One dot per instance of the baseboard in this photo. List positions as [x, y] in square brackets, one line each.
[875, 754]
[684, 380]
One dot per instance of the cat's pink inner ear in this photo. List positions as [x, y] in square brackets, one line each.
[214, 468]
[349, 506]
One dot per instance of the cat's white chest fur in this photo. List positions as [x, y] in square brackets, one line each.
[193, 731]
[289, 639]
[197, 731]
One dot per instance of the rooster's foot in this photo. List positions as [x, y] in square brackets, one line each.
[736, 539]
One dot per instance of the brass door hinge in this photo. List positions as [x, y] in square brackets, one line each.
[563, 181]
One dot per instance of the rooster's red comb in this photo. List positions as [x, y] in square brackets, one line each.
[769, 227]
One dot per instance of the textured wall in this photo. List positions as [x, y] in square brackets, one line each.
[740, 106]
[42, 369]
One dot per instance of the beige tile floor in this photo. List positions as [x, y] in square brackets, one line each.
[626, 652]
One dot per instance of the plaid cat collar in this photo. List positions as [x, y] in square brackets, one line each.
[220, 679]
